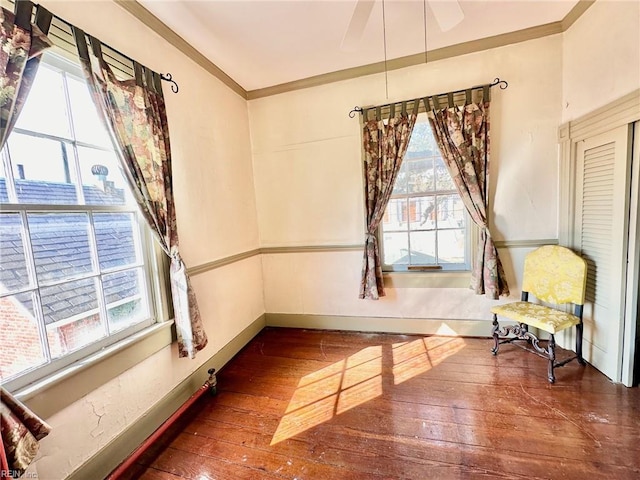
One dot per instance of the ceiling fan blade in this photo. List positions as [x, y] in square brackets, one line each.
[448, 13]
[359, 19]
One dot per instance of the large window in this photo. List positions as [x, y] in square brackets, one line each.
[425, 225]
[73, 269]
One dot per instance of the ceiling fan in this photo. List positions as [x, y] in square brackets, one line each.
[448, 14]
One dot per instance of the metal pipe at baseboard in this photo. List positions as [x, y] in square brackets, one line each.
[209, 386]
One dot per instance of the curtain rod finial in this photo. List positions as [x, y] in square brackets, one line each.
[169, 78]
[503, 83]
[355, 110]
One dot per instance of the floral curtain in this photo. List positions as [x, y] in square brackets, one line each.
[134, 111]
[462, 134]
[385, 143]
[21, 45]
[21, 431]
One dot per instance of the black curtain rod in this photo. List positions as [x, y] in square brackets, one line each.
[166, 77]
[502, 83]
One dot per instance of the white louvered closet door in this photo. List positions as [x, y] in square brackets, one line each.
[602, 206]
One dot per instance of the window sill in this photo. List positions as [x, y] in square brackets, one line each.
[434, 279]
[71, 383]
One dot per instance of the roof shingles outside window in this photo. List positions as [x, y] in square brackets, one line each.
[61, 250]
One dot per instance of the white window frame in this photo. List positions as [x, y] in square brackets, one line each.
[150, 256]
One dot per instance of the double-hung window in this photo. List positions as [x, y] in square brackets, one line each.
[74, 262]
[425, 225]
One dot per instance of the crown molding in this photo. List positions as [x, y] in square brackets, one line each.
[412, 60]
[151, 21]
[575, 13]
[155, 24]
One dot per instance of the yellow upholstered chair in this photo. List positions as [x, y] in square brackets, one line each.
[556, 276]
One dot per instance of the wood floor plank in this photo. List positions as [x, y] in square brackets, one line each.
[153, 474]
[340, 405]
[544, 425]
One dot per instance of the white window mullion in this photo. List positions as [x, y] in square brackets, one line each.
[95, 262]
[74, 148]
[408, 210]
[42, 328]
[33, 283]
[435, 241]
[8, 175]
[145, 253]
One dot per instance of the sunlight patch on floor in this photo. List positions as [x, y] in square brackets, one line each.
[411, 359]
[355, 380]
[331, 391]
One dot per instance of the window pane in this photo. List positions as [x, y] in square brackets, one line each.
[422, 213]
[87, 125]
[71, 315]
[115, 239]
[124, 295]
[420, 175]
[396, 249]
[423, 248]
[106, 186]
[450, 211]
[13, 265]
[451, 246]
[60, 245]
[422, 141]
[395, 217]
[42, 169]
[19, 327]
[4, 194]
[443, 178]
[400, 186]
[45, 110]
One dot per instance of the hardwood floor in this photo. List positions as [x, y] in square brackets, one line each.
[303, 404]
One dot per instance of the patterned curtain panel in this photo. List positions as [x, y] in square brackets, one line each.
[384, 147]
[134, 111]
[21, 431]
[21, 44]
[462, 134]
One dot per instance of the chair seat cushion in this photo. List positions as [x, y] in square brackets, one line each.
[545, 318]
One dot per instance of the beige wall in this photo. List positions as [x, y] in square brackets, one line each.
[601, 57]
[307, 167]
[297, 157]
[216, 212]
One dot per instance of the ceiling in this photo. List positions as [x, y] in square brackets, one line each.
[261, 43]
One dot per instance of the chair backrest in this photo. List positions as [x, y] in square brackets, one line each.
[555, 275]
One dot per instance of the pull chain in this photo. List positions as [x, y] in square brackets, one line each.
[424, 15]
[384, 38]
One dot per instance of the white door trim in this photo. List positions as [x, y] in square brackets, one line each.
[623, 111]
[633, 266]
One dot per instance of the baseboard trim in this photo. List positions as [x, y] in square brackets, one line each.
[425, 326]
[110, 456]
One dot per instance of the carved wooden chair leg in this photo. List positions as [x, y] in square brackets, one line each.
[551, 349]
[496, 338]
[579, 344]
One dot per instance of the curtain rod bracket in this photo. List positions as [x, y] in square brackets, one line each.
[168, 78]
[355, 110]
